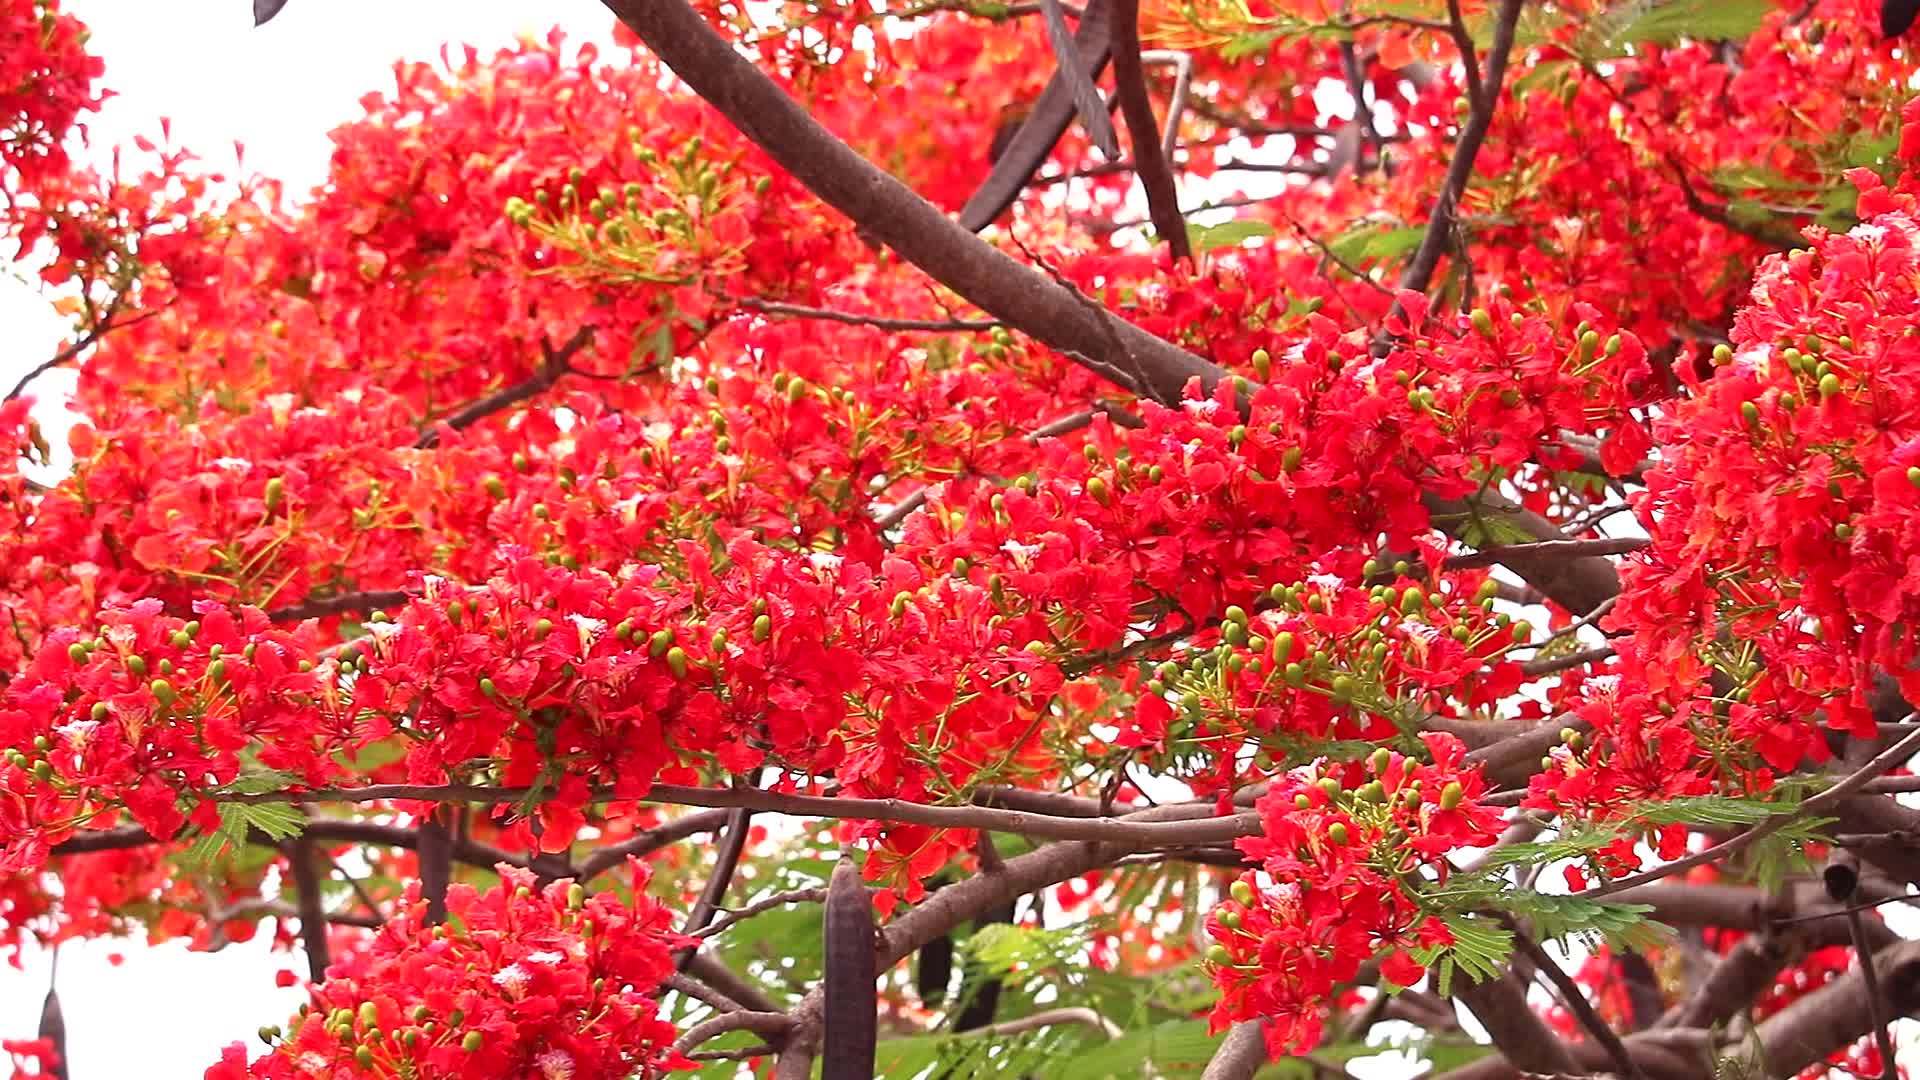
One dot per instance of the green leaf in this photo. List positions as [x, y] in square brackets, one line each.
[1696, 20]
[1369, 242]
[259, 783]
[1591, 921]
[1480, 949]
[279, 821]
[1176, 1047]
[1204, 238]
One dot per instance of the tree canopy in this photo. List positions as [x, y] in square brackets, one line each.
[1151, 539]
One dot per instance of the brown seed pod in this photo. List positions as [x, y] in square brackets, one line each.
[850, 1033]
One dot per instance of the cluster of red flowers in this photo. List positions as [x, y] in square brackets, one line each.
[1337, 845]
[549, 983]
[1330, 662]
[46, 85]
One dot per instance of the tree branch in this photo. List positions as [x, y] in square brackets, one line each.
[554, 364]
[1048, 120]
[340, 605]
[724, 865]
[878, 322]
[885, 208]
[1240, 1055]
[1577, 1003]
[1446, 206]
[1143, 131]
[1887, 759]
[1136, 831]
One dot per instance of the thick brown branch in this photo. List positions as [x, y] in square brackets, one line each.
[1240, 1055]
[313, 921]
[1500, 1004]
[888, 210]
[1143, 131]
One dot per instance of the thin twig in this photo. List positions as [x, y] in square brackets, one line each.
[1577, 1003]
[100, 329]
[339, 605]
[1571, 660]
[554, 365]
[1124, 830]
[1483, 92]
[878, 322]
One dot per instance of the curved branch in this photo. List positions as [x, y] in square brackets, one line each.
[888, 210]
[646, 843]
[767, 1025]
[1240, 1055]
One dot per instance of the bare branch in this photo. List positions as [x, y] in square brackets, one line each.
[1135, 830]
[554, 364]
[1143, 131]
[878, 322]
[1241, 1053]
[1577, 1003]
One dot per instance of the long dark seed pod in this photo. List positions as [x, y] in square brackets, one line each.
[850, 1030]
[53, 1027]
[980, 993]
[1896, 16]
[435, 847]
